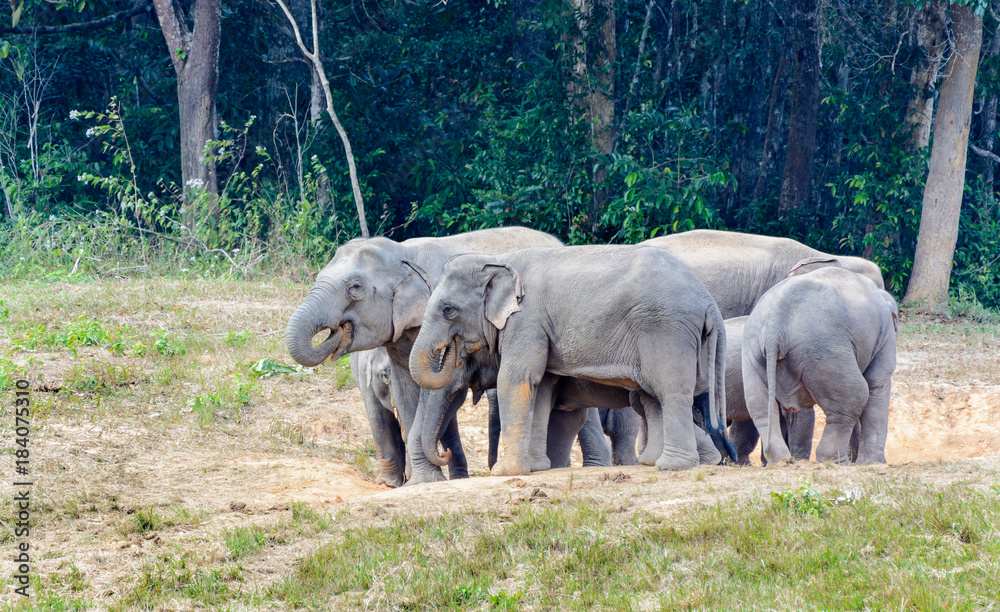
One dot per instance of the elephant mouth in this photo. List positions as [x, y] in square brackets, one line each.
[346, 333]
[439, 360]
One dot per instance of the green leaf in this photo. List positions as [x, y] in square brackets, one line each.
[16, 15]
[272, 367]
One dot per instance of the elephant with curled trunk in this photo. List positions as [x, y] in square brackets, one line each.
[373, 293]
[622, 316]
[826, 337]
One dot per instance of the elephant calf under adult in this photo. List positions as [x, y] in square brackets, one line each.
[827, 338]
[624, 316]
[371, 372]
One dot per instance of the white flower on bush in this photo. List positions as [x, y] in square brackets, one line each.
[195, 183]
[74, 114]
[260, 150]
[81, 177]
[91, 132]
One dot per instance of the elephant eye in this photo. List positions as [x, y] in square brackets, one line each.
[449, 311]
[355, 289]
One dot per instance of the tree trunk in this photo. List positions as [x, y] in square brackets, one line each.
[316, 61]
[195, 55]
[775, 121]
[932, 35]
[595, 80]
[988, 129]
[946, 176]
[801, 150]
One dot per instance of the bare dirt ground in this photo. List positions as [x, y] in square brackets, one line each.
[95, 473]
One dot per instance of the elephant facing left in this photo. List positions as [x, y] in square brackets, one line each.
[373, 294]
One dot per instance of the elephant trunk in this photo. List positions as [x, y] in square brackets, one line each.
[433, 366]
[431, 431]
[307, 321]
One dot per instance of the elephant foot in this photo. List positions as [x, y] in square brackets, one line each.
[708, 452]
[649, 456]
[390, 480]
[507, 466]
[457, 473]
[789, 460]
[435, 475]
[540, 464]
[676, 462]
[867, 460]
[709, 456]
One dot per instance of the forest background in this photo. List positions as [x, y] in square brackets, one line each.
[594, 120]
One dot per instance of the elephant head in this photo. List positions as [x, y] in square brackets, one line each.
[365, 297]
[465, 313]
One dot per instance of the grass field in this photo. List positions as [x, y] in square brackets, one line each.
[180, 462]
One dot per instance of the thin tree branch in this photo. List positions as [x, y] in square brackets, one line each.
[142, 6]
[987, 154]
[317, 62]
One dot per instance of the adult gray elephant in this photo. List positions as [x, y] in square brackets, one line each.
[738, 268]
[373, 293]
[827, 337]
[623, 316]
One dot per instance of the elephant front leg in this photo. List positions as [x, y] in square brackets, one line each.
[388, 444]
[516, 393]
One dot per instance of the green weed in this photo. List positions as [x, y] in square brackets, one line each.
[244, 541]
[168, 345]
[805, 500]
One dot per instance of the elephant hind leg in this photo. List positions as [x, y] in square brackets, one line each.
[843, 399]
[593, 444]
[745, 437]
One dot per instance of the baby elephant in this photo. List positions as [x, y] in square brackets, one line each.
[630, 317]
[827, 337]
[796, 427]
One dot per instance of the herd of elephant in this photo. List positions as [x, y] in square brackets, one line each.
[681, 350]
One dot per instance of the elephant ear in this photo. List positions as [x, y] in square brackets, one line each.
[409, 299]
[813, 263]
[504, 291]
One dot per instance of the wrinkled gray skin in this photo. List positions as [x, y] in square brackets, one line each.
[371, 372]
[796, 427]
[623, 316]
[373, 294]
[826, 338]
[737, 269]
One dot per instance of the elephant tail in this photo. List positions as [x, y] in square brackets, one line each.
[717, 418]
[773, 418]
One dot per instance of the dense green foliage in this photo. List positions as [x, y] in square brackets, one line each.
[462, 115]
